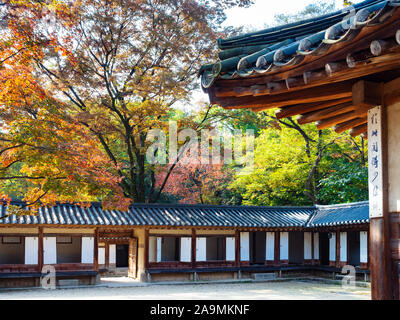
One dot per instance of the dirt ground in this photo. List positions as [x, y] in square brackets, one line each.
[289, 290]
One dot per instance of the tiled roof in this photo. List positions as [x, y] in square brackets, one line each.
[340, 214]
[271, 50]
[193, 215]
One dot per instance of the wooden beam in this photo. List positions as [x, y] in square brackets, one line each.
[344, 126]
[325, 113]
[379, 47]
[366, 94]
[391, 92]
[356, 58]
[314, 76]
[356, 131]
[334, 67]
[317, 94]
[330, 122]
[307, 107]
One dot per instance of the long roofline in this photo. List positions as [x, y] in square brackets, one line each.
[296, 29]
[181, 215]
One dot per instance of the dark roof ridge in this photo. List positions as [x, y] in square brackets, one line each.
[342, 205]
[230, 42]
[180, 205]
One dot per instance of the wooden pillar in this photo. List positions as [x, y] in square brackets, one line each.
[193, 248]
[96, 250]
[380, 254]
[146, 249]
[277, 248]
[107, 255]
[132, 258]
[40, 249]
[237, 248]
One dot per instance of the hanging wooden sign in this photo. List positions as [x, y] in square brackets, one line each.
[375, 170]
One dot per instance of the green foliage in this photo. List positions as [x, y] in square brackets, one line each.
[346, 182]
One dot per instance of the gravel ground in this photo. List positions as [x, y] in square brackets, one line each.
[288, 290]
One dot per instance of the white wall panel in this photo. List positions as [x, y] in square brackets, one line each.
[201, 249]
[186, 249]
[332, 247]
[244, 246]
[49, 250]
[307, 246]
[31, 250]
[102, 255]
[364, 246]
[87, 250]
[270, 246]
[284, 245]
[112, 253]
[316, 245]
[343, 246]
[230, 249]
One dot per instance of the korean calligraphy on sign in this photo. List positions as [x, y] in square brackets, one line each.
[375, 180]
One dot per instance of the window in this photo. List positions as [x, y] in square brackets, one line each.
[164, 248]
[64, 240]
[11, 240]
[69, 249]
[215, 248]
[170, 248]
[12, 250]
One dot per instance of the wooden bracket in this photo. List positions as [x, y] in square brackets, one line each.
[366, 95]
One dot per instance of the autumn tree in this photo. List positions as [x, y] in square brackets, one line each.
[98, 76]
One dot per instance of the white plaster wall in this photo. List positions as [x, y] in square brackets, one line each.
[364, 246]
[393, 121]
[343, 246]
[332, 247]
[307, 246]
[316, 245]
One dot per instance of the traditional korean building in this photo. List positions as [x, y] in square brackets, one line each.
[181, 242]
[341, 71]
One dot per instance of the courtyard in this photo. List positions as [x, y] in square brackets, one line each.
[282, 290]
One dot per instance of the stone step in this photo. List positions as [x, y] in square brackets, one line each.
[264, 276]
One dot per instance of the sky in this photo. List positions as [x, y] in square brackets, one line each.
[255, 17]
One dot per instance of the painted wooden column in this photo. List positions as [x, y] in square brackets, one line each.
[193, 249]
[40, 249]
[277, 247]
[96, 250]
